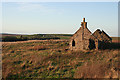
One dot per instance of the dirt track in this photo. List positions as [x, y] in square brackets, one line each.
[31, 41]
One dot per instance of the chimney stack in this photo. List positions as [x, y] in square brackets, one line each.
[84, 24]
[83, 19]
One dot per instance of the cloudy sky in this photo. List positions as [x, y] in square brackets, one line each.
[58, 17]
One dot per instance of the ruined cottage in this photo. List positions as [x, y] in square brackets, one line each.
[83, 39]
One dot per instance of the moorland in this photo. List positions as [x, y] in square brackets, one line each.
[48, 56]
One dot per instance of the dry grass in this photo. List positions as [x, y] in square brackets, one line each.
[52, 59]
[103, 66]
[116, 39]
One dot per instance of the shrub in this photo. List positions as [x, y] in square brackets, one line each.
[9, 38]
[13, 38]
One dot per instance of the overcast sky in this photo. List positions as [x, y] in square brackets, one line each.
[59, 17]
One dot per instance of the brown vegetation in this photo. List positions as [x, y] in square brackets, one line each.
[52, 59]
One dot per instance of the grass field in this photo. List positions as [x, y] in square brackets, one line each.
[48, 36]
[19, 37]
[116, 39]
[53, 59]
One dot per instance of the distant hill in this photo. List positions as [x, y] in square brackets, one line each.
[8, 34]
[47, 36]
[20, 37]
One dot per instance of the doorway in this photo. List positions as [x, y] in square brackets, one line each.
[73, 43]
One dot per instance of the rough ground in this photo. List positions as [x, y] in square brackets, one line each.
[52, 59]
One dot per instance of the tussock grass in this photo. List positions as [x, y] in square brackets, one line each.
[53, 59]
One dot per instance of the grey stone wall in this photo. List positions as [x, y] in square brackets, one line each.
[83, 37]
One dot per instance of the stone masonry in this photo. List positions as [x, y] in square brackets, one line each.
[83, 39]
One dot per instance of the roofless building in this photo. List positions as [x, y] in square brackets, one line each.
[83, 39]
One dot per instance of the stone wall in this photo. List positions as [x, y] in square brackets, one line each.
[83, 39]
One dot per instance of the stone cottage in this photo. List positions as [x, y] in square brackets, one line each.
[83, 39]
